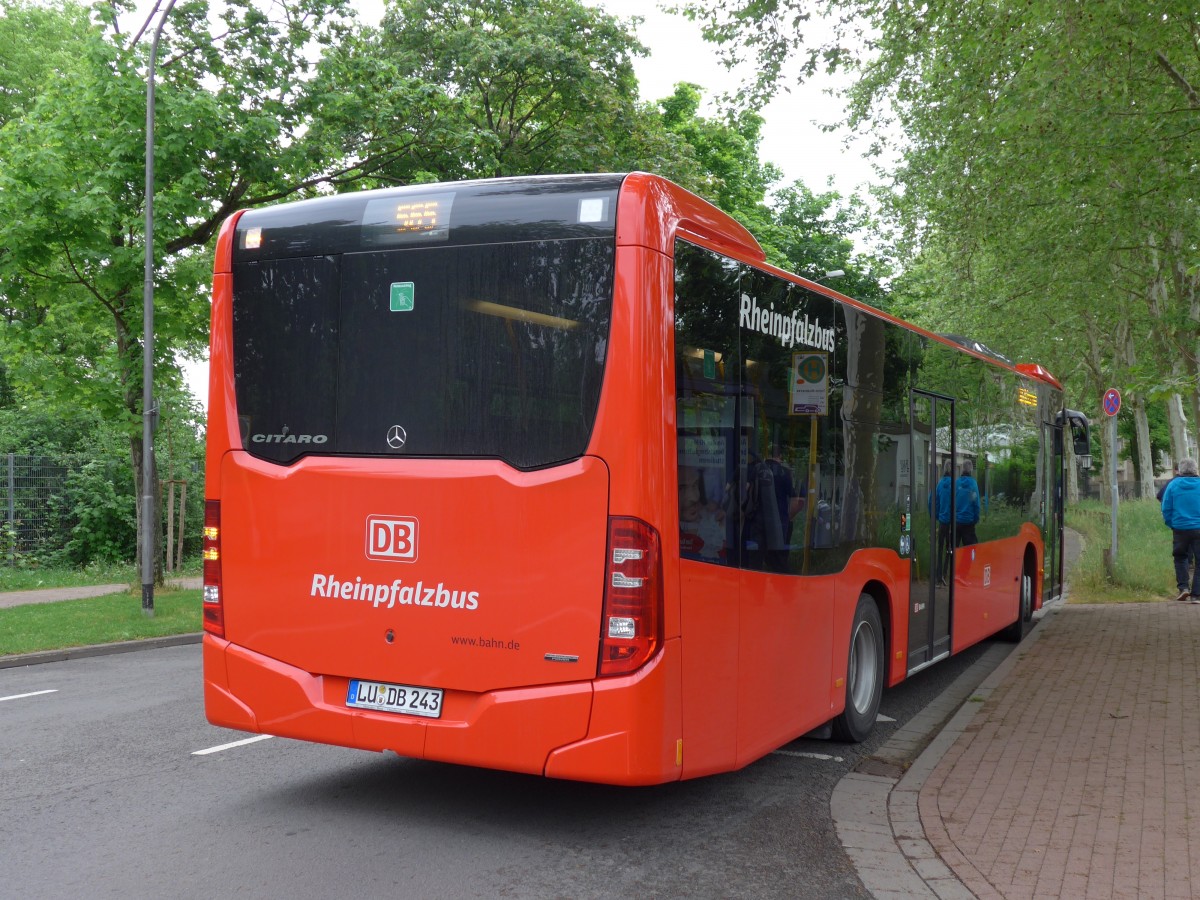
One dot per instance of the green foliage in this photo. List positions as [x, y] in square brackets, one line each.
[10, 553]
[96, 507]
[233, 106]
[1011, 476]
[50, 28]
[90, 513]
[481, 88]
[1160, 435]
[724, 164]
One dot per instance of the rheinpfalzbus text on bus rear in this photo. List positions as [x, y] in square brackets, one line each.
[557, 475]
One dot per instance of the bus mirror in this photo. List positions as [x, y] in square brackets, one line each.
[1081, 439]
[1081, 442]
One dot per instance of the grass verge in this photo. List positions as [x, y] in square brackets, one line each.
[1144, 571]
[34, 578]
[97, 620]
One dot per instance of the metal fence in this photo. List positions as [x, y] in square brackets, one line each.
[28, 486]
[76, 509]
[43, 499]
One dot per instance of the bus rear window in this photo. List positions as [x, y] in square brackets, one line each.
[493, 350]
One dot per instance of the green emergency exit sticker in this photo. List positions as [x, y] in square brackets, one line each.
[402, 296]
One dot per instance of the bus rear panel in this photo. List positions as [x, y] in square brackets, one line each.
[412, 546]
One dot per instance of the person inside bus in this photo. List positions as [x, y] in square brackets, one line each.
[1181, 513]
[966, 505]
[941, 509]
[701, 524]
[788, 500]
[762, 526]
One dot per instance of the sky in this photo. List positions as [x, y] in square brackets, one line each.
[792, 138]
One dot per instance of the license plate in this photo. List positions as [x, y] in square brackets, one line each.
[395, 698]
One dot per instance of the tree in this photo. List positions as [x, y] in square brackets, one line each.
[50, 29]
[799, 230]
[488, 88]
[724, 152]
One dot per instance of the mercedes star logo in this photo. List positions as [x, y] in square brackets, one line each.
[396, 437]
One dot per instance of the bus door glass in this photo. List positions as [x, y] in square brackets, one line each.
[932, 539]
[1052, 504]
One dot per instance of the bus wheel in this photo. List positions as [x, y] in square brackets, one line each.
[864, 674]
[1018, 629]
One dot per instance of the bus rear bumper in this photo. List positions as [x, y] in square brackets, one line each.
[618, 731]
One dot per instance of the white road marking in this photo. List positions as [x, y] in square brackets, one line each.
[230, 746]
[882, 718]
[822, 756]
[30, 694]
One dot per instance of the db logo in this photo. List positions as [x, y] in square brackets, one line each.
[390, 537]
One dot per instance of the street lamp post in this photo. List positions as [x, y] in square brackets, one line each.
[149, 411]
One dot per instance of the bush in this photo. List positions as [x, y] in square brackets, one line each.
[105, 524]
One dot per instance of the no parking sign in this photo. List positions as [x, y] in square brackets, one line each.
[1112, 402]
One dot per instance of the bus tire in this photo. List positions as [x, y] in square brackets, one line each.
[864, 674]
[1017, 630]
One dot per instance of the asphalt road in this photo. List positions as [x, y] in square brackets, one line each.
[102, 794]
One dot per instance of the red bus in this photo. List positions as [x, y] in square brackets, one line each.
[557, 475]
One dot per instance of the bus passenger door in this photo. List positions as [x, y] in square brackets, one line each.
[932, 584]
[1052, 510]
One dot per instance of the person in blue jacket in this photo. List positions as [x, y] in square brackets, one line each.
[940, 503]
[966, 505]
[1181, 513]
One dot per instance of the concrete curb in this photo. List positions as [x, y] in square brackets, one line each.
[48, 656]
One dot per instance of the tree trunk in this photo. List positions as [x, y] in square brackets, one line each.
[1145, 458]
[1180, 446]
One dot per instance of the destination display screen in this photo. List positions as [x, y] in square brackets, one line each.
[421, 219]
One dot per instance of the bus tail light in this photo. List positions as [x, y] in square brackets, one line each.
[632, 621]
[214, 608]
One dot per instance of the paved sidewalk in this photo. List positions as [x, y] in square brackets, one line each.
[53, 595]
[1080, 774]
[1071, 770]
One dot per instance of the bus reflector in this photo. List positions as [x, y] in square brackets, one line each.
[214, 608]
[631, 630]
